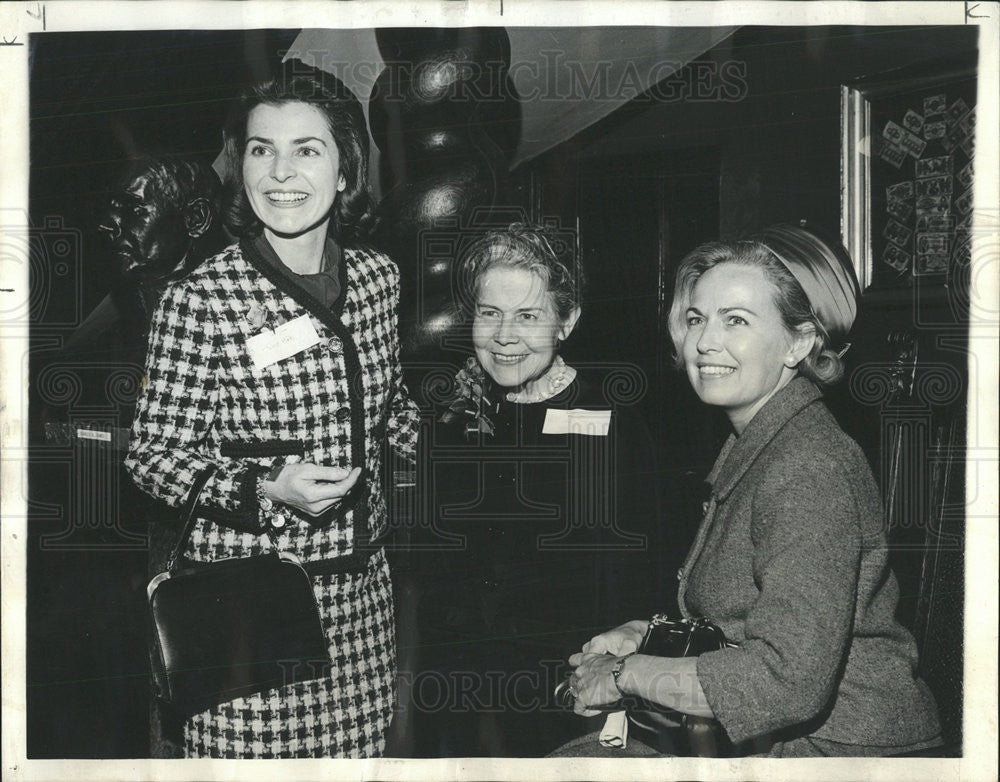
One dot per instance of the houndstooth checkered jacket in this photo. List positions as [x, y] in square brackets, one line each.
[335, 403]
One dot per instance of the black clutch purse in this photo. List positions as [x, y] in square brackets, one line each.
[667, 730]
[230, 628]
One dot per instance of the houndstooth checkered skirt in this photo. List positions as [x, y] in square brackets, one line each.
[343, 713]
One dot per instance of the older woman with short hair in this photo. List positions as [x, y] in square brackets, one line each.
[791, 559]
[543, 488]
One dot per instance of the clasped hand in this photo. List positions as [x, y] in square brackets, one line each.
[311, 488]
[592, 682]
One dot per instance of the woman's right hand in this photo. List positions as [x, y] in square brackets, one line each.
[623, 639]
[311, 488]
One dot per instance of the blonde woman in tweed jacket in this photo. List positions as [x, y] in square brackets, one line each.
[791, 560]
[296, 433]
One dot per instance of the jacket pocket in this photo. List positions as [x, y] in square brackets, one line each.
[261, 449]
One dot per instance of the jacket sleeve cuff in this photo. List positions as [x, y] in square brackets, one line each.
[247, 515]
[720, 674]
[249, 505]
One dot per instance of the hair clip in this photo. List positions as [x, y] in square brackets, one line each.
[843, 350]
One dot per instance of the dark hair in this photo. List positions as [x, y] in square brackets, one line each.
[176, 180]
[522, 246]
[823, 366]
[352, 217]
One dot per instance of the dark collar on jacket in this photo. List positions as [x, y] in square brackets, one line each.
[284, 281]
[739, 453]
[331, 317]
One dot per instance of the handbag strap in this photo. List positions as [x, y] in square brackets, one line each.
[187, 515]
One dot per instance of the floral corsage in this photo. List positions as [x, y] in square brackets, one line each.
[471, 404]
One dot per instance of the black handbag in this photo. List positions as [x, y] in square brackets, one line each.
[231, 628]
[657, 726]
[661, 728]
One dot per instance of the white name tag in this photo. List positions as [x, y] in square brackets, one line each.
[589, 422]
[269, 347]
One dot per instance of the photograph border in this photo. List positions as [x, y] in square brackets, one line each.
[18, 21]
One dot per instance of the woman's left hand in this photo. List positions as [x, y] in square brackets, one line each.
[593, 683]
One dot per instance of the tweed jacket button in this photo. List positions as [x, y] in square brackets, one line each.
[344, 414]
[335, 344]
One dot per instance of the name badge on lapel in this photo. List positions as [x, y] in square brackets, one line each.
[587, 422]
[268, 347]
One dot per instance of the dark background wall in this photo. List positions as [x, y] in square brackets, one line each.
[730, 164]
[643, 187]
[99, 99]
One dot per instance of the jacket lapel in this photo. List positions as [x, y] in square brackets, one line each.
[737, 456]
[328, 316]
[740, 453]
[333, 319]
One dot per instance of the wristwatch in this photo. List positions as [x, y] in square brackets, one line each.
[619, 666]
[266, 503]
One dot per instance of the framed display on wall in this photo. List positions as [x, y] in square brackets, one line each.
[908, 146]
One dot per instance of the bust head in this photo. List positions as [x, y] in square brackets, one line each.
[162, 218]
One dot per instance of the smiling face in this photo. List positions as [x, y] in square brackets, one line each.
[291, 168]
[516, 329]
[736, 350]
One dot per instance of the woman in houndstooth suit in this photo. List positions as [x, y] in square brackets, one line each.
[297, 428]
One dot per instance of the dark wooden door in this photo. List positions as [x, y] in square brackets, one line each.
[636, 217]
